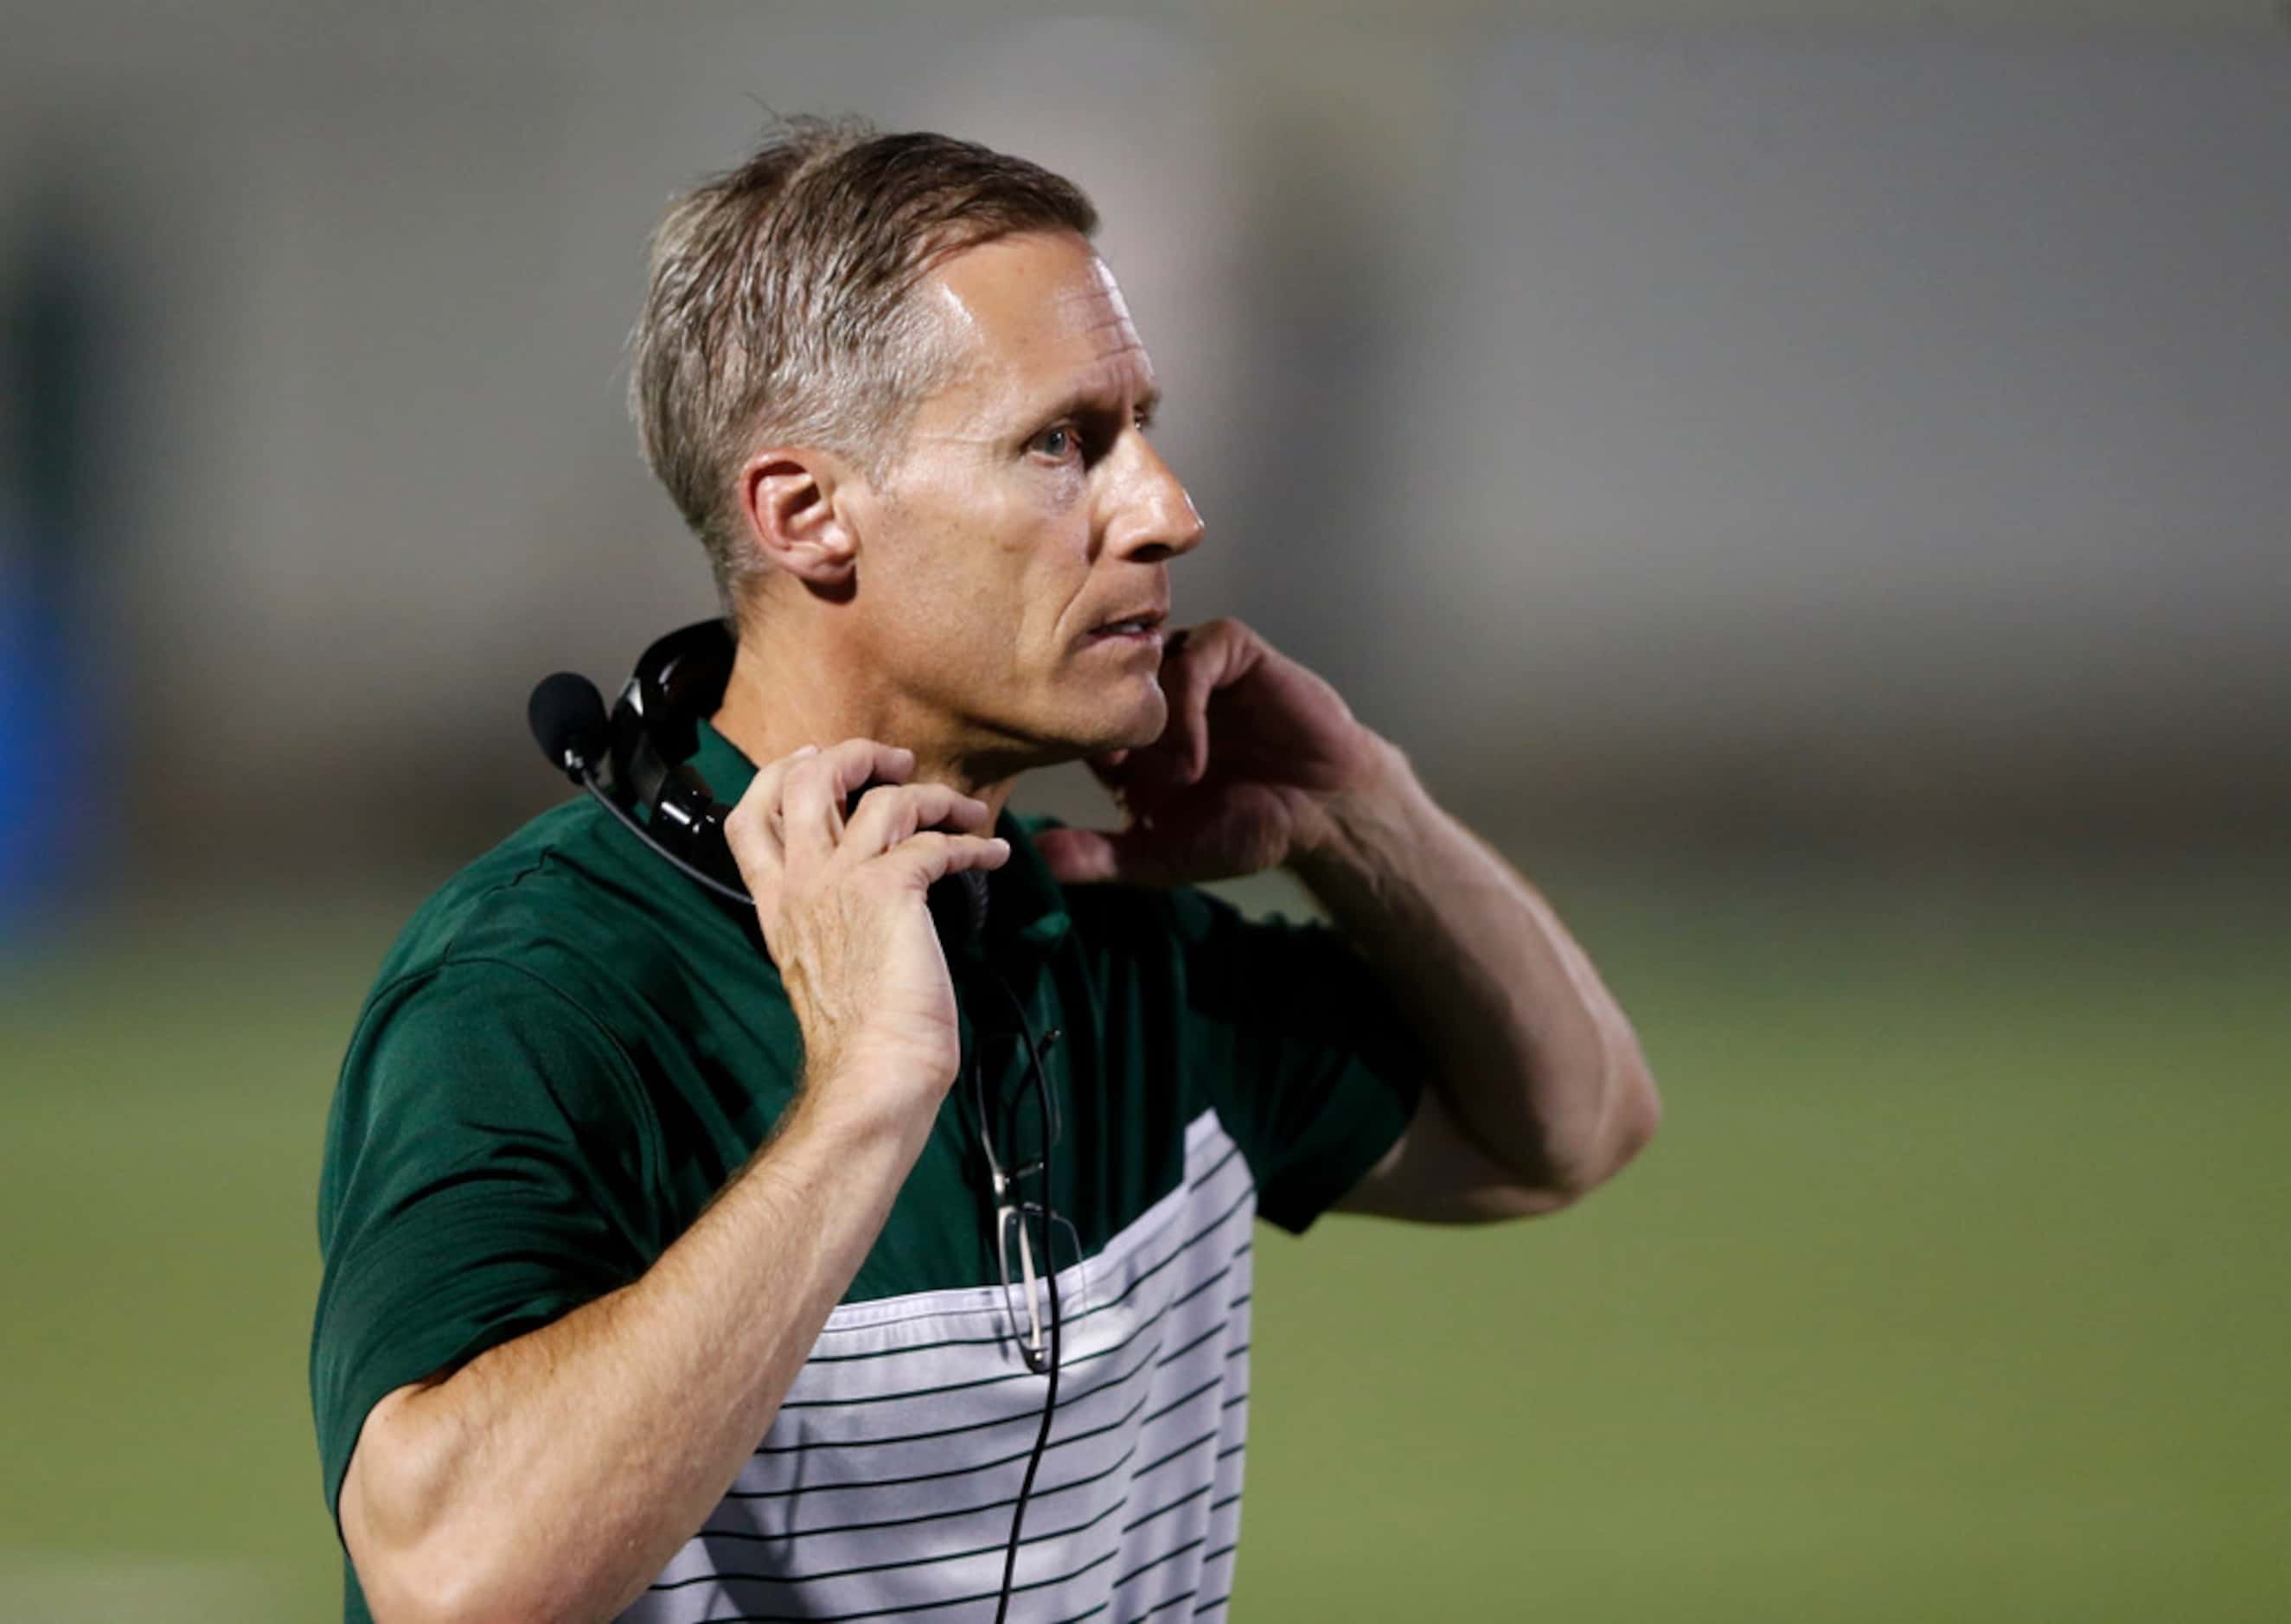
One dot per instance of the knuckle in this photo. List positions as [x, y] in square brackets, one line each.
[759, 792]
[744, 827]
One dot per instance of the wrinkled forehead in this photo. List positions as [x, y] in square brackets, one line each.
[1030, 317]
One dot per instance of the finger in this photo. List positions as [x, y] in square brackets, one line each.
[1079, 856]
[1086, 857]
[1180, 754]
[1201, 666]
[889, 813]
[811, 801]
[924, 858]
[751, 829]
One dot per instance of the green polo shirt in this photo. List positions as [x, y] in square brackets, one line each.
[572, 1048]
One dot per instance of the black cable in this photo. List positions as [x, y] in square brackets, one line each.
[1050, 1274]
[588, 781]
[1042, 1441]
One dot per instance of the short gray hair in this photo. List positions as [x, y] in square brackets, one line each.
[780, 308]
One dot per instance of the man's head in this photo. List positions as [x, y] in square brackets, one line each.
[889, 373]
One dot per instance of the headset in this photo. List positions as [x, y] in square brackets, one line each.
[636, 760]
[633, 764]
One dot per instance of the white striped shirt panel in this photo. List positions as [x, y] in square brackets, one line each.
[887, 1482]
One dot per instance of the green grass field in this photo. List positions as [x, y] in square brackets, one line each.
[1953, 1288]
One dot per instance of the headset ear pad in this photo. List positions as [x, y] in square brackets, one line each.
[682, 678]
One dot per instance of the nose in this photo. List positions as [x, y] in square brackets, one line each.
[1154, 517]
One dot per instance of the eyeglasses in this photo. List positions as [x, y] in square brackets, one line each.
[1018, 1220]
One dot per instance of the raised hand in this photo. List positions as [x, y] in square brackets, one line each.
[1246, 774]
[842, 905]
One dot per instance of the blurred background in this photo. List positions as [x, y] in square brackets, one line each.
[1810, 480]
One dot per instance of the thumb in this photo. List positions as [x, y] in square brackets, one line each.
[1082, 856]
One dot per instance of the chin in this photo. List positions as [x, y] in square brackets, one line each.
[1147, 721]
[1139, 727]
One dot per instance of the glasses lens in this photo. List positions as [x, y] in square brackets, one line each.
[1022, 1288]
[1030, 1249]
[1020, 1130]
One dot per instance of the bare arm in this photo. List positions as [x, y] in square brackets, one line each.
[553, 1475]
[1539, 1090]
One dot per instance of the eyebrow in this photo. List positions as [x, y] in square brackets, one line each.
[1093, 398]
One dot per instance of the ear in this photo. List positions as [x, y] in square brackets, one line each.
[789, 497]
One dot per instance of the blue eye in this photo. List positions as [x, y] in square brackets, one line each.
[1042, 441]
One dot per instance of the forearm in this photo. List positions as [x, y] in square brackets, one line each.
[554, 1476]
[1531, 1053]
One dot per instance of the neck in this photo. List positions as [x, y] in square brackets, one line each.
[786, 692]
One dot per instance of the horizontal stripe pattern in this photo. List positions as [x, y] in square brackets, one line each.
[887, 1482]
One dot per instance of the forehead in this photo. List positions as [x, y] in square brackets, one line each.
[1033, 317]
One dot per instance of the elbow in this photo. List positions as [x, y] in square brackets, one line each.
[401, 1592]
[429, 1586]
[379, 1510]
[1637, 1112]
[399, 1554]
[445, 1580]
[1630, 1112]
[416, 1562]
[404, 1583]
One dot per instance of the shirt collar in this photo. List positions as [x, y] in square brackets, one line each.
[1027, 908]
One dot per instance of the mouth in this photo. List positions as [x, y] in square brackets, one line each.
[1137, 632]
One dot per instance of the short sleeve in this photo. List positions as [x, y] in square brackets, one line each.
[482, 1176]
[1314, 1071]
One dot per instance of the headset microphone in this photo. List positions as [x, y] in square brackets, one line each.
[568, 717]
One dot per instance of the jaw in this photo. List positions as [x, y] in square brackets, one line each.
[1086, 714]
[1116, 709]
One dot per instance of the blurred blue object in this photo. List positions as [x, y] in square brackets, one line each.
[51, 316]
[41, 718]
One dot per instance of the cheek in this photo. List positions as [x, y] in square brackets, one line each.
[999, 583]
[1044, 516]
[1038, 569]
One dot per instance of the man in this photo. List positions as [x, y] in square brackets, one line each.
[664, 1261]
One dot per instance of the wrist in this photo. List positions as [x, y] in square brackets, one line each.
[857, 1099]
[1350, 825]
